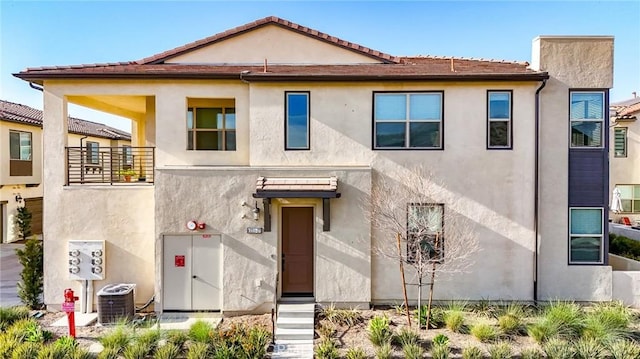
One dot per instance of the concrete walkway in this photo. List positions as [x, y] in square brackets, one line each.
[10, 269]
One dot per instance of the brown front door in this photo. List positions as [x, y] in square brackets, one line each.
[297, 251]
[34, 205]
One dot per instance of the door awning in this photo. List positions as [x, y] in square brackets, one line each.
[297, 187]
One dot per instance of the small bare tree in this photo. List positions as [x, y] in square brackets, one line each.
[421, 229]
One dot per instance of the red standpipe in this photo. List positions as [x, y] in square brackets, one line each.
[69, 306]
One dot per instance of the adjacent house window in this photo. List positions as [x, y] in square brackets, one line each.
[93, 152]
[211, 128]
[499, 119]
[586, 235]
[408, 120]
[630, 197]
[620, 142]
[127, 155]
[425, 235]
[20, 154]
[587, 118]
[297, 120]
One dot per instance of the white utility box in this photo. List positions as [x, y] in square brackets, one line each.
[87, 260]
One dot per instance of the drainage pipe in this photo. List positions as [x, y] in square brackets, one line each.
[536, 192]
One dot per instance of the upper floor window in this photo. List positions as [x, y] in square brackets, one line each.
[408, 120]
[629, 197]
[586, 235]
[425, 235]
[499, 119]
[93, 152]
[20, 154]
[587, 118]
[127, 155]
[297, 120]
[620, 142]
[211, 128]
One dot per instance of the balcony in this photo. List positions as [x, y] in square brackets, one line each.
[110, 165]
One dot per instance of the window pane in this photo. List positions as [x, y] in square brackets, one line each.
[636, 206]
[636, 191]
[424, 134]
[208, 140]
[499, 105]
[297, 121]
[231, 140]
[390, 134]
[587, 106]
[498, 134]
[587, 134]
[14, 145]
[190, 140]
[230, 118]
[190, 118]
[390, 107]
[585, 249]
[424, 107]
[207, 117]
[586, 221]
[626, 205]
[625, 191]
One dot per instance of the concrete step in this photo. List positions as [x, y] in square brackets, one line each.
[295, 322]
[294, 334]
[305, 307]
[302, 349]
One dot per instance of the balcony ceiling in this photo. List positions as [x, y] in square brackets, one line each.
[132, 107]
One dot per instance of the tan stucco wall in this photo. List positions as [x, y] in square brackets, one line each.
[625, 170]
[275, 45]
[36, 153]
[572, 63]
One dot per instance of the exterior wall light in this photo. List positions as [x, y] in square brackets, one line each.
[18, 198]
[256, 212]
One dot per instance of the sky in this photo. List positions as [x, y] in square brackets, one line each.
[41, 33]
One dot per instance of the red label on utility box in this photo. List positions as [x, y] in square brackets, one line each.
[68, 307]
[179, 261]
[206, 236]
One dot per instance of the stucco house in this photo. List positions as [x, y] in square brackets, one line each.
[625, 158]
[21, 159]
[268, 139]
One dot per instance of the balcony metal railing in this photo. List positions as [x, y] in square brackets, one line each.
[110, 165]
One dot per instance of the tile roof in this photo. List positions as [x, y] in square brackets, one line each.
[270, 20]
[18, 113]
[625, 110]
[391, 67]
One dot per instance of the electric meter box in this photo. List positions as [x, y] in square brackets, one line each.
[86, 260]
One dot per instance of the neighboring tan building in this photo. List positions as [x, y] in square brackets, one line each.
[625, 157]
[21, 160]
[279, 122]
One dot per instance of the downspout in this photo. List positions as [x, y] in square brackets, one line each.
[536, 191]
[36, 87]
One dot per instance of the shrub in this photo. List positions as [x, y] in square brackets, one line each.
[556, 348]
[454, 320]
[567, 316]
[343, 317]
[31, 285]
[355, 353]
[471, 353]
[326, 329]
[378, 330]
[484, 308]
[8, 345]
[52, 352]
[177, 338]
[530, 353]
[198, 350]
[118, 339]
[66, 342]
[27, 350]
[440, 351]
[440, 339]
[149, 339]
[255, 343]
[513, 309]
[543, 330]
[201, 331]
[458, 306]
[607, 322]
[589, 349]
[484, 332]
[412, 351]
[500, 351]
[406, 336]
[326, 349]
[624, 349]
[436, 320]
[167, 351]
[135, 351]
[80, 353]
[510, 324]
[624, 246]
[384, 351]
[12, 314]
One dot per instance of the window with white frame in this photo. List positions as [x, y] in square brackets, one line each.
[629, 197]
[408, 120]
[499, 119]
[297, 120]
[211, 128]
[425, 234]
[586, 235]
[620, 142]
[93, 152]
[587, 110]
[127, 155]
